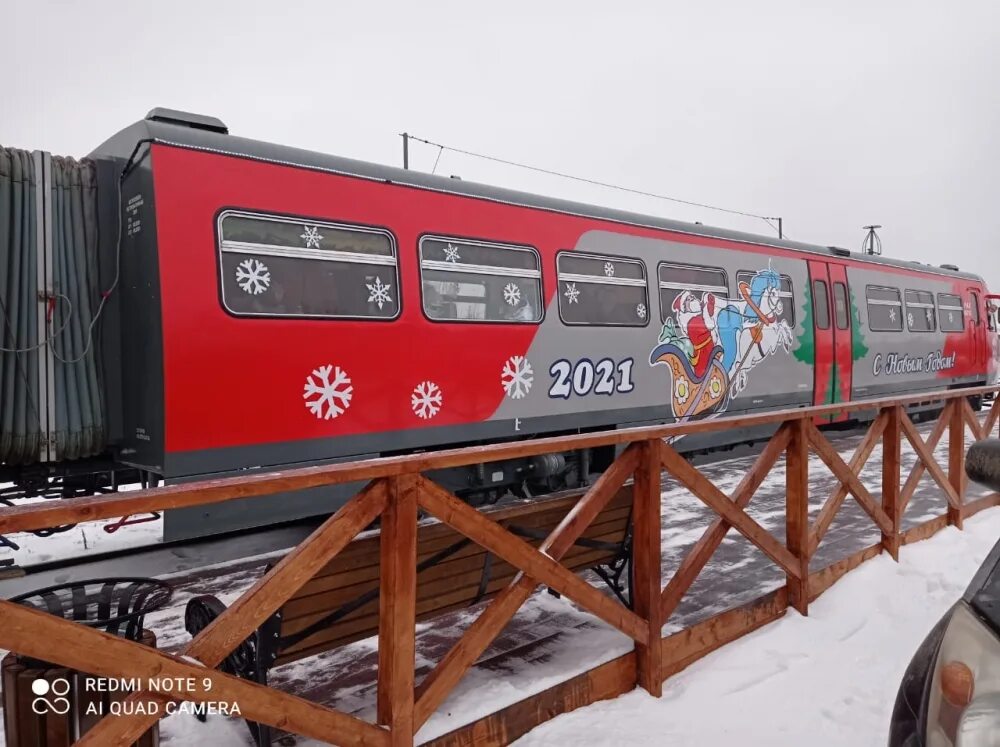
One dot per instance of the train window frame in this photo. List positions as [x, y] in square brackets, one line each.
[825, 295]
[884, 302]
[842, 287]
[251, 249]
[662, 285]
[920, 305]
[957, 306]
[789, 294]
[574, 278]
[477, 269]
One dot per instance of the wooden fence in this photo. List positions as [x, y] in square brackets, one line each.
[395, 491]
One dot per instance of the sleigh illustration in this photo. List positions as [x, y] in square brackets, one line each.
[693, 396]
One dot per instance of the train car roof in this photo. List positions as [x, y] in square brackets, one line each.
[206, 133]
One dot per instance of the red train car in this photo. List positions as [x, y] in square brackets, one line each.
[280, 307]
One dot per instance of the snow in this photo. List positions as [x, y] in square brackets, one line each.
[829, 678]
[83, 540]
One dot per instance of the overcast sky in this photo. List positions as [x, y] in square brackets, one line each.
[830, 115]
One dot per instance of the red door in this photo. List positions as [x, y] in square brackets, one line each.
[842, 319]
[824, 385]
[978, 331]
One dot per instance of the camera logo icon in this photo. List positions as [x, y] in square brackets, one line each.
[50, 696]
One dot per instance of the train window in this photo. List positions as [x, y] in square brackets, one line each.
[477, 281]
[951, 312]
[278, 266]
[920, 311]
[785, 293]
[885, 309]
[675, 279]
[840, 314]
[821, 304]
[974, 308]
[600, 290]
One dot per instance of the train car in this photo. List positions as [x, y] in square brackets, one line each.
[279, 308]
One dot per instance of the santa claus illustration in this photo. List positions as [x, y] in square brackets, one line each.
[697, 318]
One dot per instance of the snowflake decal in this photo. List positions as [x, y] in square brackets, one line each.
[426, 399]
[892, 315]
[327, 398]
[516, 376]
[640, 310]
[253, 276]
[572, 294]
[609, 269]
[379, 292]
[909, 319]
[512, 294]
[451, 253]
[930, 316]
[311, 237]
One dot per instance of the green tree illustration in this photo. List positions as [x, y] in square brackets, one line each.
[806, 349]
[858, 348]
[832, 386]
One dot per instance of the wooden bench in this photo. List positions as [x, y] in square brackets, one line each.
[340, 603]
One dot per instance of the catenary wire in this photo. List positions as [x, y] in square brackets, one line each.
[585, 180]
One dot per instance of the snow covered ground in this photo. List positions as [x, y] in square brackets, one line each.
[827, 679]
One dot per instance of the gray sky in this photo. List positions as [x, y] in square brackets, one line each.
[831, 115]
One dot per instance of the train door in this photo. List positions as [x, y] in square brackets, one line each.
[824, 387]
[978, 331]
[993, 337]
[842, 335]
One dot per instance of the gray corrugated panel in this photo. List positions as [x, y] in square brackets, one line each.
[79, 422]
[19, 425]
[79, 419]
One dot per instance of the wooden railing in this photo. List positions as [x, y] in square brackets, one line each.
[395, 491]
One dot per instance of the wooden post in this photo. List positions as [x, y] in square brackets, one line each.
[397, 611]
[646, 583]
[797, 514]
[956, 460]
[891, 468]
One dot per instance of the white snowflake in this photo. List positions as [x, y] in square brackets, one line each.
[512, 294]
[426, 399]
[516, 376]
[609, 269]
[379, 292]
[335, 394]
[311, 237]
[640, 310]
[253, 276]
[892, 315]
[909, 319]
[451, 253]
[572, 294]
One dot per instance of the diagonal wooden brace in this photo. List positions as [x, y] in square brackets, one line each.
[825, 451]
[918, 469]
[860, 458]
[710, 540]
[70, 644]
[927, 457]
[537, 564]
[701, 487]
[971, 420]
[253, 607]
[435, 687]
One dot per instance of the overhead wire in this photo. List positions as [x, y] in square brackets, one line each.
[585, 180]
